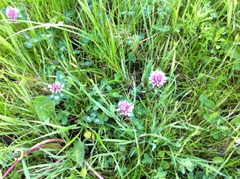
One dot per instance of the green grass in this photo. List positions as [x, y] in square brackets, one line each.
[104, 51]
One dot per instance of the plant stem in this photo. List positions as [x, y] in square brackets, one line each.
[92, 170]
[32, 149]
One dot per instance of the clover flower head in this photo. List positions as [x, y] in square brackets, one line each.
[12, 13]
[55, 87]
[157, 78]
[125, 107]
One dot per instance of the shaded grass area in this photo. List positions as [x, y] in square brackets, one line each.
[104, 52]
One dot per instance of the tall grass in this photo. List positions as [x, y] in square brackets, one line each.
[104, 52]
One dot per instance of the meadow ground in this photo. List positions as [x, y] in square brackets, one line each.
[138, 89]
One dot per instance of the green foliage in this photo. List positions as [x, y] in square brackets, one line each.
[103, 52]
[62, 116]
[205, 101]
[5, 158]
[45, 108]
[76, 153]
[147, 159]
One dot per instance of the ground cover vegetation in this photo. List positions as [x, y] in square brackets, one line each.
[119, 89]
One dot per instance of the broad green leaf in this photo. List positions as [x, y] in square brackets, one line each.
[138, 123]
[214, 115]
[217, 159]
[76, 153]
[97, 121]
[205, 101]
[117, 77]
[76, 52]
[63, 117]
[161, 173]
[24, 34]
[147, 159]
[181, 168]
[164, 28]
[165, 165]
[140, 110]
[87, 118]
[236, 120]
[56, 98]
[233, 52]
[236, 67]
[44, 108]
[188, 164]
[213, 118]
[83, 172]
[60, 77]
[86, 64]
[191, 175]
[161, 154]
[114, 94]
[215, 134]
[87, 134]
[238, 150]
[28, 44]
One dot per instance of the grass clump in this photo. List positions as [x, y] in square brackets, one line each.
[119, 89]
